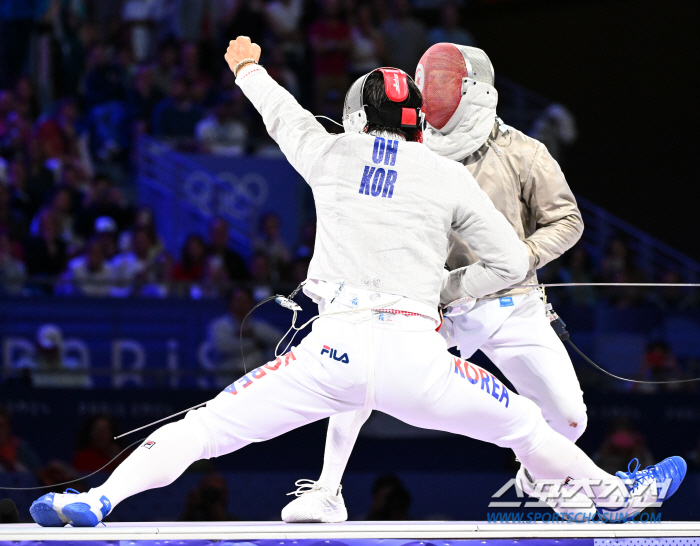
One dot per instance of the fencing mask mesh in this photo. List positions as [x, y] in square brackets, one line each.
[440, 74]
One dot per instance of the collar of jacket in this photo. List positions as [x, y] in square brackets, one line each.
[475, 118]
[387, 135]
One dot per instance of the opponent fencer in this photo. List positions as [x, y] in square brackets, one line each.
[385, 206]
[527, 186]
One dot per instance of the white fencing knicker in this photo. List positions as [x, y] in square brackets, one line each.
[356, 361]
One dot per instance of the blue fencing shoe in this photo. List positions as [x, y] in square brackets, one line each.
[644, 488]
[78, 509]
[47, 510]
[668, 475]
[87, 510]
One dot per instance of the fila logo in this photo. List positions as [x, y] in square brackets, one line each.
[397, 86]
[332, 353]
[149, 444]
[567, 480]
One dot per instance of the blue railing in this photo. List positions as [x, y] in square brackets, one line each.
[653, 256]
[520, 107]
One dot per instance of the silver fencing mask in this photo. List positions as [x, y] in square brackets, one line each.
[459, 99]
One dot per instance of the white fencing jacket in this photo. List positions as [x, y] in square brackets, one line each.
[385, 207]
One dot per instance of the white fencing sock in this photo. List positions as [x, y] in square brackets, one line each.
[159, 461]
[343, 429]
[552, 456]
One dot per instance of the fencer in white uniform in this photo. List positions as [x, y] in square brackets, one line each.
[511, 327]
[385, 206]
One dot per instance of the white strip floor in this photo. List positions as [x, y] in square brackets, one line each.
[416, 530]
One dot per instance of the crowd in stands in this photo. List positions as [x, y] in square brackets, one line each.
[80, 81]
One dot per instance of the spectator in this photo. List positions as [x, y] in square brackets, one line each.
[104, 80]
[12, 271]
[68, 22]
[258, 343]
[109, 132]
[16, 24]
[58, 135]
[50, 366]
[74, 181]
[59, 210]
[95, 445]
[192, 265]
[618, 267]
[221, 257]
[165, 68]
[142, 98]
[623, 443]
[659, 364]
[140, 18]
[390, 500]
[88, 274]
[556, 129]
[106, 235]
[16, 455]
[307, 240]
[13, 218]
[261, 276]
[57, 472]
[449, 30]
[177, 115]
[21, 202]
[284, 19]
[26, 101]
[674, 298]
[404, 38]
[135, 271]
[15, 131]
[278, 70]
[46, 252]
[224, 132]
[102, 199]
[208, 501]
[270, 243]
[367, 43]
[144, 219]
[330, 41]
[200, 83]
[40, 179]
[299, 270]
[579, 269]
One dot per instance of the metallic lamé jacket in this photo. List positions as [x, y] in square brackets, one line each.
[528, 187]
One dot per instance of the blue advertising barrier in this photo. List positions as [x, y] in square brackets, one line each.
[129, 342]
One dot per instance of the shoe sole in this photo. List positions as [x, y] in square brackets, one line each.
[80, 515]
[326, 518]
[45, 515]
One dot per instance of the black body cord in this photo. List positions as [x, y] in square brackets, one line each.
[561, 331]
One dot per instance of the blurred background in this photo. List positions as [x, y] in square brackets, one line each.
[144, 211]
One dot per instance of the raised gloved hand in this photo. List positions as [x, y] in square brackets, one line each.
[240, 53]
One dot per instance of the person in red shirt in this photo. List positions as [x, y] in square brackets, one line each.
[96, 445]
[15, 454]
[192, 266]
[59, 135]
[331, 45]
